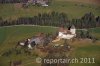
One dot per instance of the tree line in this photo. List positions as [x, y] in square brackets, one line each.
[13, 1]
[55, 19]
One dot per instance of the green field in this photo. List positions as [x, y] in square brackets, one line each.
[73, 9]
[9, 36]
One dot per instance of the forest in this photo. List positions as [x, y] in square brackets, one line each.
[56, 19]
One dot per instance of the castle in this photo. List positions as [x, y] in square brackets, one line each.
[65, 33]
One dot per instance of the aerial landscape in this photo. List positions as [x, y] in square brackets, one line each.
[49, 33]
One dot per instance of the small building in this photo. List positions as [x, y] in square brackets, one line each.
[41, 2]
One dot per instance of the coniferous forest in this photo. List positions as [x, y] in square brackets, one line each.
[89, 20]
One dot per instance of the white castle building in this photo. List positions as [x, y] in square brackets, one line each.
[66, 34]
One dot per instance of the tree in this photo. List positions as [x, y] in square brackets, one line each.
[89, 20]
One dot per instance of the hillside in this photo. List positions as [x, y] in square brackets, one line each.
[9, 36]
[18, 23]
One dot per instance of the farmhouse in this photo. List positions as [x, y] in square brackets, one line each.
[41, 2]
